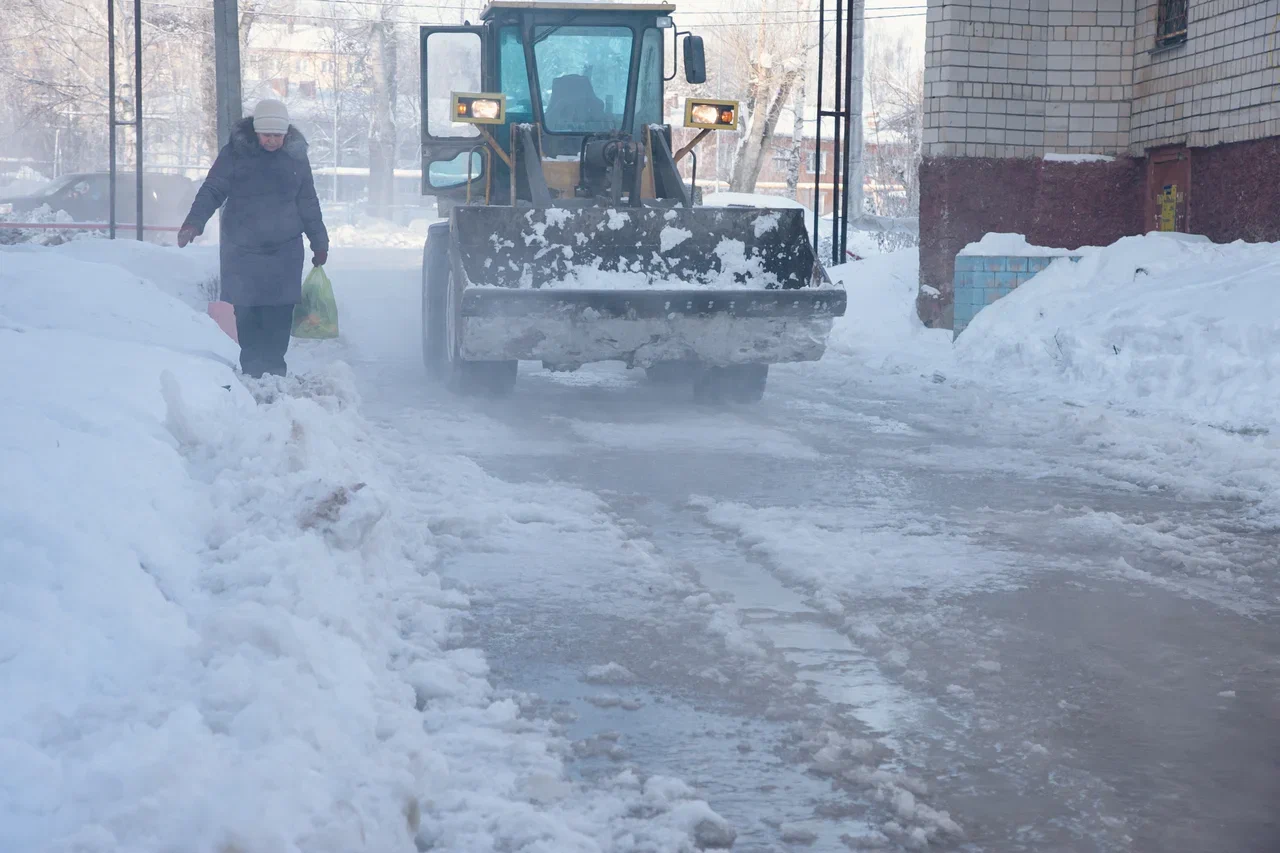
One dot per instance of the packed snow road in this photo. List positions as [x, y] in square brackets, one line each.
[878, 611]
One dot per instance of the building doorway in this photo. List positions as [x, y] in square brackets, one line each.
[1168, 194]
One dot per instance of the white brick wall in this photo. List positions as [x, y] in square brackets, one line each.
[1220, 86]
[1021, 78]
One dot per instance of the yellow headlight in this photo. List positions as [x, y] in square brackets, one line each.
[485, 109]
[706, 114]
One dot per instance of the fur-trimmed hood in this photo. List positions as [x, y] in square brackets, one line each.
[245, 139]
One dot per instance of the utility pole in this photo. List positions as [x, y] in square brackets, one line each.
[854, 169]
[226, 49]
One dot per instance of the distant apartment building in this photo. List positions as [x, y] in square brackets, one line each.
[1077, 122]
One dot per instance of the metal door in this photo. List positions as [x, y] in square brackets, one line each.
[1168, 205]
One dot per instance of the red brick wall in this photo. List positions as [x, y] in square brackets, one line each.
[1057, 204]
[1235, 191]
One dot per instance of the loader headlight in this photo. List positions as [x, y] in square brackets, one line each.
[711, 115]
[479, 108]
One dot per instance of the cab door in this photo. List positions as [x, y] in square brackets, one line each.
[453, 154]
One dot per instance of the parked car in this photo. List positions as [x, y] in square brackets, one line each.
[84, 196]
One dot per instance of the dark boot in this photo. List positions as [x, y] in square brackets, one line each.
[264, 332]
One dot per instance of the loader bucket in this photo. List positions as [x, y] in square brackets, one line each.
[570, 286]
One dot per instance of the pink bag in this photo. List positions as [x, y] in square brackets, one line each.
[224, 314]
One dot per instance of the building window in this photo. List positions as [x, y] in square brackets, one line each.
[816, 166]
[307, 89]
[1171, 28]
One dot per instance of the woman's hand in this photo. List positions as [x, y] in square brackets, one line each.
[186, 234]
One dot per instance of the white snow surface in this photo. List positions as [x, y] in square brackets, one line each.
[751, 200]
[880, 325]
[996, 244]
[1079, 158]
[369, 232]
[190, 274]
[219, 629]
[1160, 322]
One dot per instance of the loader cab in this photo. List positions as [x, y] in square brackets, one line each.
[572, 71]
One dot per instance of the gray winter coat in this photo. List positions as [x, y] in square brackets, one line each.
[270, 199]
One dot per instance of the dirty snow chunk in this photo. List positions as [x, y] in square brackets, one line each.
[987, 666]
[1170, 324]
[672, 237]
[795, 833]
[998, 244]
[605, 700]
[610, 673]
[1079, 158]
[1228, 694]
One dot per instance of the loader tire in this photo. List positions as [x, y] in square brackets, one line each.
[435, 262]
[739, 383]
[441, 336]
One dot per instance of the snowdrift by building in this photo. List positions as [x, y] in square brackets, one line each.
[1169, 323]
[219, 630]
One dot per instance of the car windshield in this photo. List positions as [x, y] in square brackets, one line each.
[582, 73]
[55, 186]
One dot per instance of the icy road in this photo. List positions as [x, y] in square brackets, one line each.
[878, 611]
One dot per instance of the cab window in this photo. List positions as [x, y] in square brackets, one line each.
[582, 72]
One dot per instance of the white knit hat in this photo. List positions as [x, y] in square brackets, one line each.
[270, 117]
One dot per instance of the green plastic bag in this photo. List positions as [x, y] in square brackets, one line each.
[316, 316]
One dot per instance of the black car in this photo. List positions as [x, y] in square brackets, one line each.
[84, 196]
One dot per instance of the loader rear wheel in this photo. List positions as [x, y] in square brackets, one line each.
[738, 383]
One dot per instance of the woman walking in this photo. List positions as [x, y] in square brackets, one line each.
[264, 178]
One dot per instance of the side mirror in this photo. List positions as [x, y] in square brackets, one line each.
[695, 60]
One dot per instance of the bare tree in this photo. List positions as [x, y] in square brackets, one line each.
[763, 63]
[382, 126]
[895, 92]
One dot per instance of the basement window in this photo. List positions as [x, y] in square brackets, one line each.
[1171, 26]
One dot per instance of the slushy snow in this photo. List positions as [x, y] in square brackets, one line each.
[219, 627]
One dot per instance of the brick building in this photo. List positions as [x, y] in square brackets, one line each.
[1077, 122]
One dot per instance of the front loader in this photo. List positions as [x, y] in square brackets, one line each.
[572, 237]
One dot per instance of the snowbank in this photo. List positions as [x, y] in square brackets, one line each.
[219, 629]
[368, 232]
[1159, 322]
[880, 326]
[752, 200]
[997, 245]
[190, 274]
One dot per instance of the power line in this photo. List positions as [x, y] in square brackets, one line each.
[711, 24]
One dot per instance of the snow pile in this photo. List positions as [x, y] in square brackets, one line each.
[998, 245]
[1165, 322]
[41, 236]
[218, 626]
[751, 200]
[369, 232]
[880, 325]
[190, 274]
